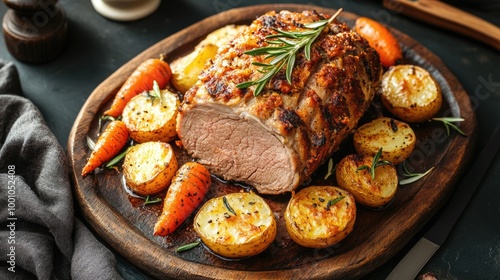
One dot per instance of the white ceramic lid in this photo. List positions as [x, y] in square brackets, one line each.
[125, 10]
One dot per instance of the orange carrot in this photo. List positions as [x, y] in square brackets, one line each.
[379, 38]
[141, 80]
[187, 190]
[108, 145]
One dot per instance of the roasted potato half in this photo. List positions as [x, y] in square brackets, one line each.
[236, 225]
[375, 192]
[149, 167]
[150, 119]
[185, 70]
[396, 138]
[410, 93]
[320, 216]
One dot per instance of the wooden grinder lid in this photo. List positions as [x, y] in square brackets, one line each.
[35, 31]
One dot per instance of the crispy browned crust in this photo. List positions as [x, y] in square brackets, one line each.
[328, 95]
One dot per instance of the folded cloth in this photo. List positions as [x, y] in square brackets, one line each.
[40, 238]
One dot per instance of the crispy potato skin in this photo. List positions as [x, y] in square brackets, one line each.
[245, 234]
[149, 167]
[312, 223]
[410, 93]
[372, 193]
[149, 119]
[185, 70]
[397, 139]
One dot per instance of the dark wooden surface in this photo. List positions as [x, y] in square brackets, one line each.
[127, 225]
[97, 47]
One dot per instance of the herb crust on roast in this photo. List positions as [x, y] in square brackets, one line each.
[276, 140]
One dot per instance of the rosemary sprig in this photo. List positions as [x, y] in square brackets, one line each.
[448, 122]
[332, 202]
[228, 207]
[148, 200]
[115, 160]
[413, 177]
[282, 50]
[155, 93]
[187, 247]
[376, 163]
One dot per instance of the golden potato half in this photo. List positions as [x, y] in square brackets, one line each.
[372, 193]
[236, 225]
[320, 216]
[149, 119]
[185, 70]
[149, 167]
[410, 93]
[397, 139]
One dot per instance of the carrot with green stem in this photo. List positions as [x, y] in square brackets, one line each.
[141, 80]
[186, 192]
[108, 145]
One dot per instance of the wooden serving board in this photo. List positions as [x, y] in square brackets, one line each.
[127, 225]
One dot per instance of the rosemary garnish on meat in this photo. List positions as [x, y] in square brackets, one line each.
[283, 48]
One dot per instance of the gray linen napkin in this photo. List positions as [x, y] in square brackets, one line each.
[40, 238]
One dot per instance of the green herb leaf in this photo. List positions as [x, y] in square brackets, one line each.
[332, 202]
[187, 247]
[151, 201]
[90, 143]
[329, 171]
[284, 50]
[448, 122]
[376, 163]
[116, 160]
[228, 207]
[413, 177]
[155, 93]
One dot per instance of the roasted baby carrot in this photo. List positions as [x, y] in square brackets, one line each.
[141, 80]
[381, 39]
[187, 190]
[108, 145]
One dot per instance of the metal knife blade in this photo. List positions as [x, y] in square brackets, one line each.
[422, 251]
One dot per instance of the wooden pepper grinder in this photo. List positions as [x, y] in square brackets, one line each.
[35, 31]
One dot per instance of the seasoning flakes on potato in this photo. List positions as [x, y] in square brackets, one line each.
[320, 216]
[149, 167]
[152, 117]
[410, 93]
[397, 139]
[236, 225]
[369, 191]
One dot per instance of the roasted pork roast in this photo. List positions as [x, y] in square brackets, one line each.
[276, 140]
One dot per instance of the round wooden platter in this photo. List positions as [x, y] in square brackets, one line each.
[126, 224]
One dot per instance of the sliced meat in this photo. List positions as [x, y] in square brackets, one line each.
[276, 140]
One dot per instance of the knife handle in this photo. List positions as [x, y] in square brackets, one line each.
[448, 17]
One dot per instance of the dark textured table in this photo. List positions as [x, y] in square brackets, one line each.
[96, 47]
